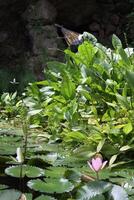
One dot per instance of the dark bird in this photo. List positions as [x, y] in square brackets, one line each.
[72, 38]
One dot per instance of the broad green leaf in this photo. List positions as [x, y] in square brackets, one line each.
[127, 128]
[129, 173]
[50, 157]
[67, 88]
[125, 148]
[122, 101]
[57, 67]
[90, 190]
[74, 136]
[51, 185]
[112, 159]
[55, 172]
[118, 193]
[89, 37]
[116, 42]
[100, 145]
[34, 112]
[130, 78]
[9, 194]
[29, 171]
[124, 56]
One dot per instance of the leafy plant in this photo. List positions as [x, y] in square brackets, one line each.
[84, 107]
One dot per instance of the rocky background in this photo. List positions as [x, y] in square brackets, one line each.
[29, 38]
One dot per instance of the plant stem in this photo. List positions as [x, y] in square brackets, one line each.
[25, 132]
[97, 175]
[21, 170]
[25, 146]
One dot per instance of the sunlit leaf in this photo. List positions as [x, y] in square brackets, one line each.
[127, 128]
[29, 171]
[118, 193]
[125, 148]
[55, 172]
[51, 185]
[116, 42]
[9, 194]
[92, 190]
[112, 159]
[100, 145]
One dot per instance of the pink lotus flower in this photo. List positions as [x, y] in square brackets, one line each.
[97, 163]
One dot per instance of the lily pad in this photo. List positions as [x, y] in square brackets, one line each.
[27, 170]
[51, 185]
[55, 172]
[9, 195]
[91, 190]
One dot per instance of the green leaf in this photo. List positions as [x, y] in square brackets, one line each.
[127, 128]
[34, 112]
[45, 197]
[57, 67]
[118, 193]
[27, 170]
[125, 148]
[124, 56]
[9, 194]
[122, 101]
[116, 42]
[67, 88]
[74, 136]
[129, 173]
[130, 78]
[112, 159]
[51, 185]
[55, 172]
[91, 190]
[100, 145]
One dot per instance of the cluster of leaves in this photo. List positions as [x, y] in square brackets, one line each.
[84, 106]
[88, 99]
[67, 182]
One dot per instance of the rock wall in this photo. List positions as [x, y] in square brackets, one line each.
[28, 37]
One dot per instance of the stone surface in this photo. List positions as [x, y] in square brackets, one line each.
[42, 10]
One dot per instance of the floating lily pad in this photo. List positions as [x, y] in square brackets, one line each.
[55, 172]
[27, 170]
[118, 193]
[9, 195]
[51, 185]
[91, 190]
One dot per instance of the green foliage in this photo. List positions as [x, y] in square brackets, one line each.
[92, 190]
[118, 193]
[101, 190]
[84, 107]
[15, 79]
[29, 171]
[51, 185]
[9, 194]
